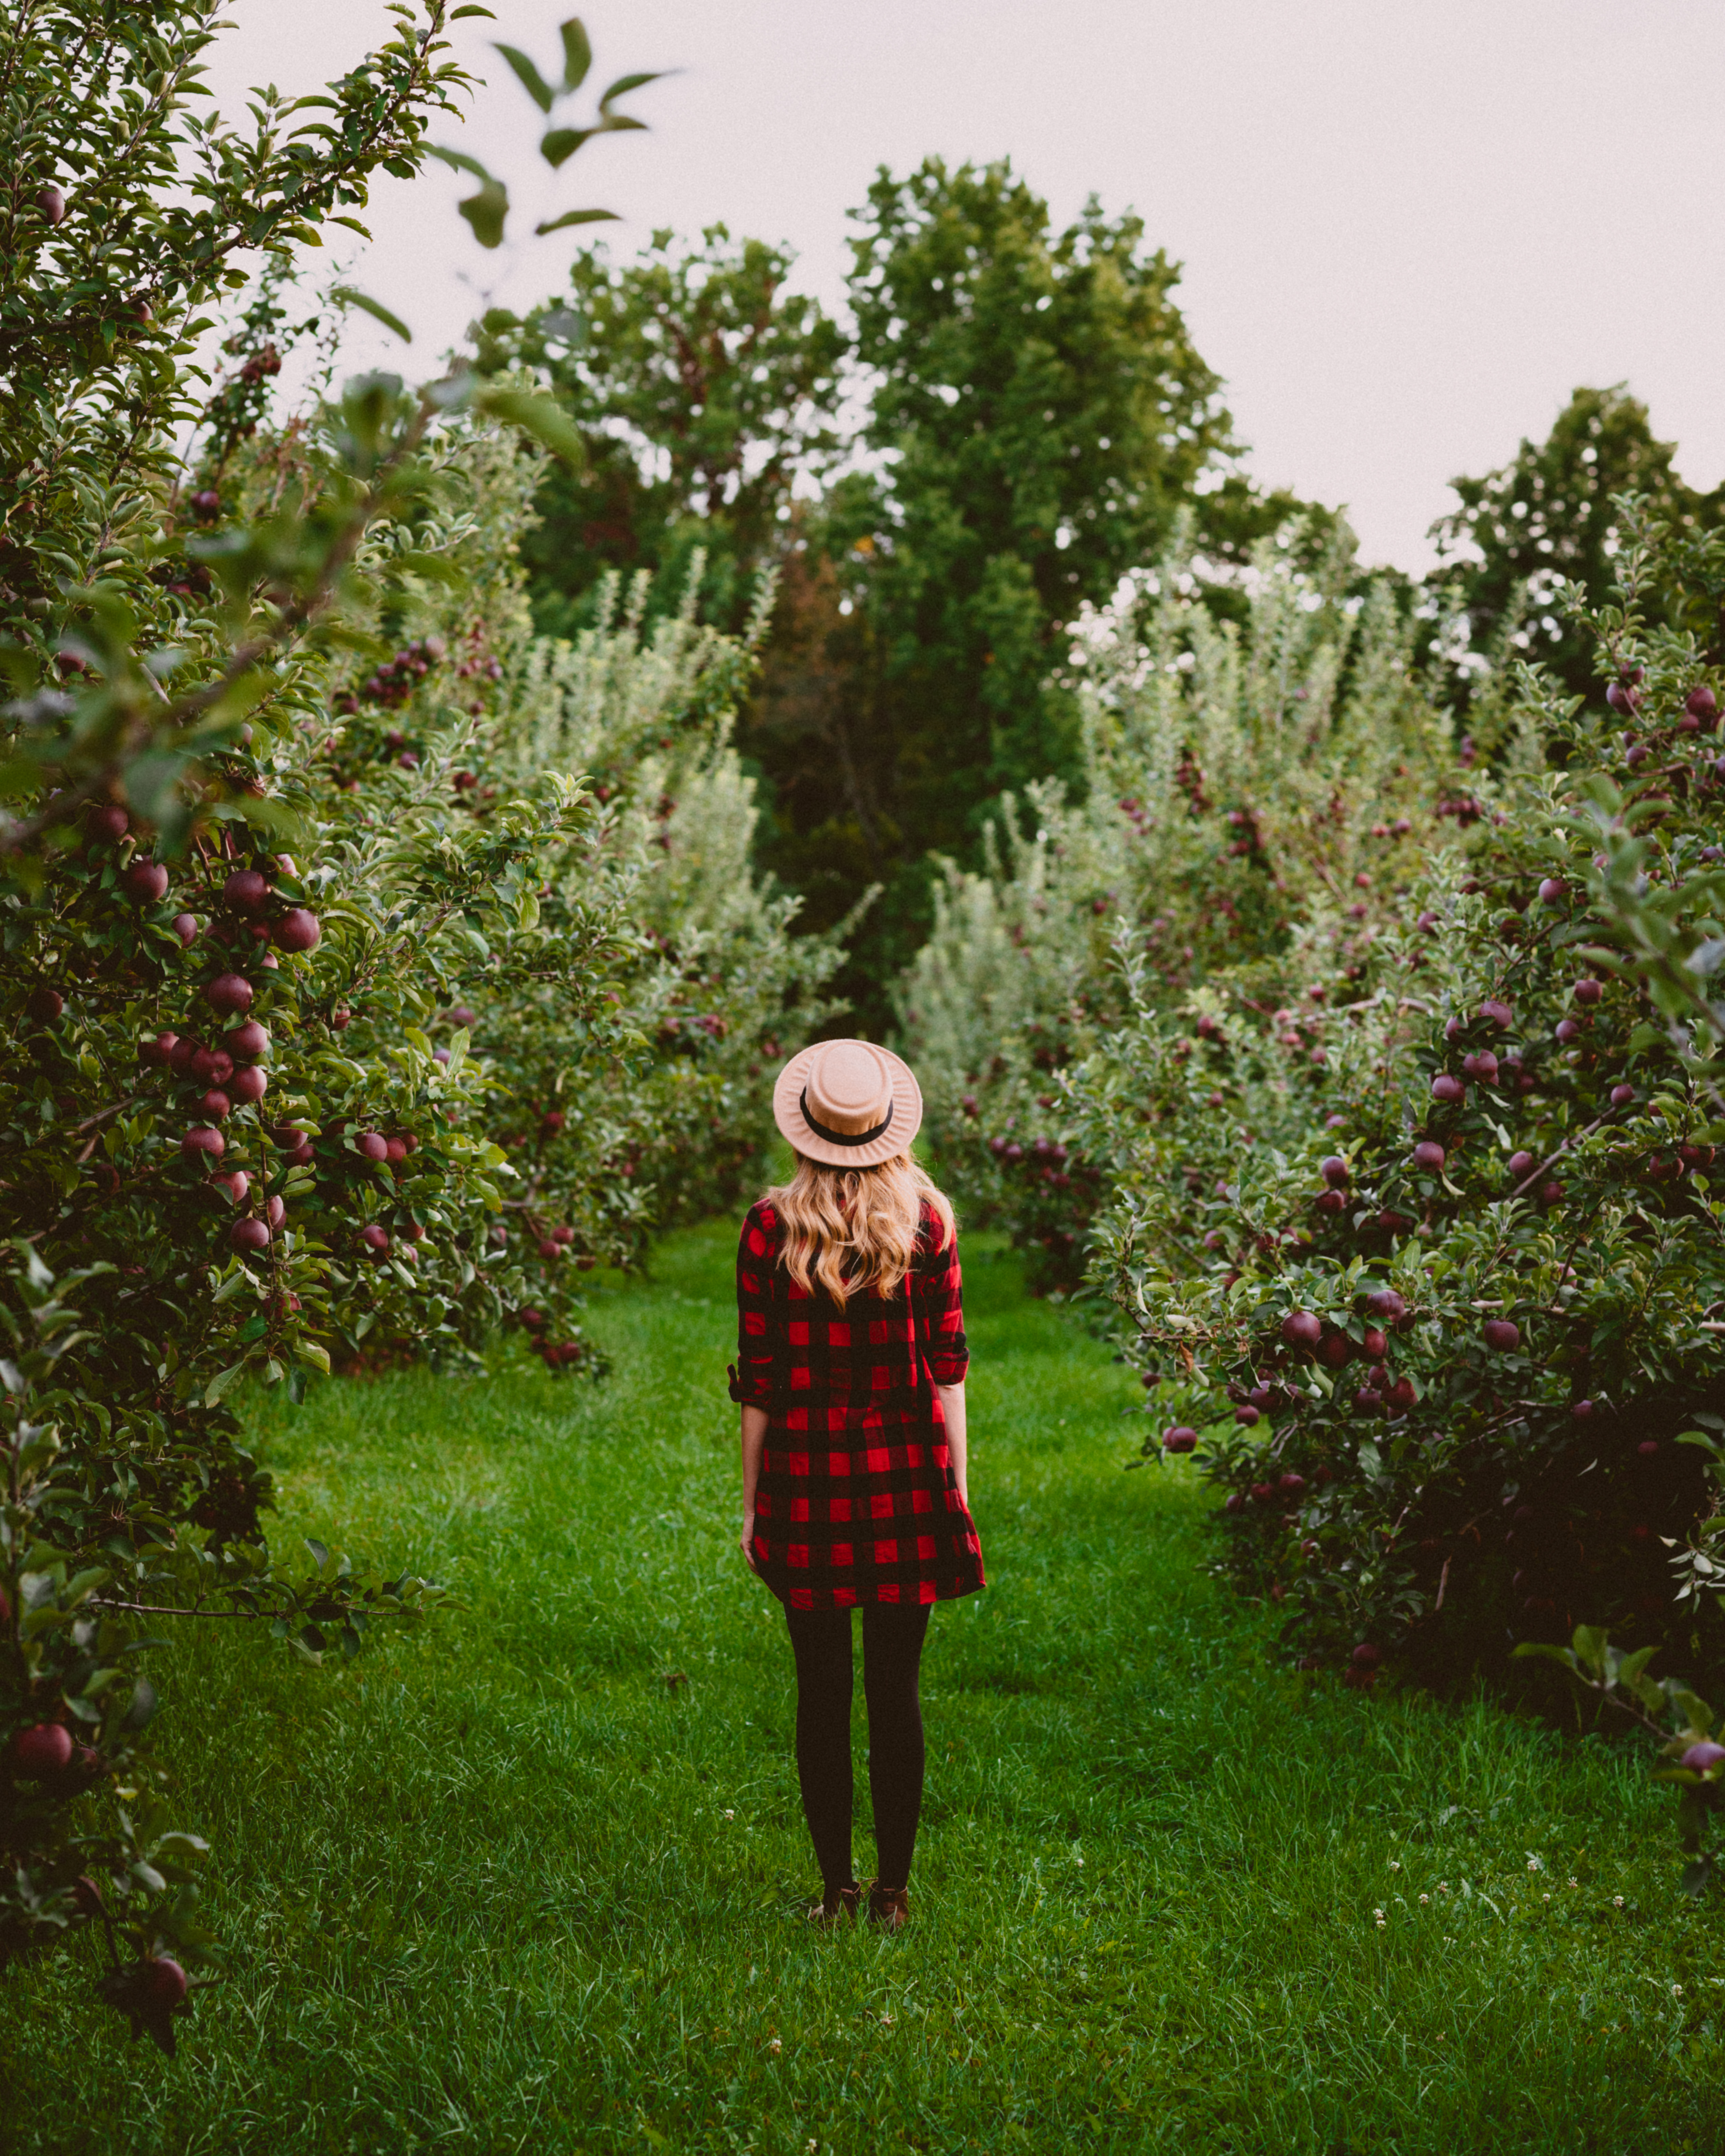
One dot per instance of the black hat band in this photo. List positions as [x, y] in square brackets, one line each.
[843, 1138]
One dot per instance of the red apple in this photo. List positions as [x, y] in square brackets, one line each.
[1554, 891]
[396, 1150]
[1179, 1439]
[229, 993]
[1482, 1065]
[161, 1984]
[44, 1750]
[1402, 1394]
[52, 203]
[249, 1234]
[298, 930]
[185, 926]
[1246, 1416]
[1290, 1484]
[157, 1052]
[1621, 1096]
[109, 822]
[1588, 990]
[1301, 1328]
[45, 1005]
[375, 1238]
[1521, 1166]
[1334, 1171]
[215, 1105]
[212, 1066]
[374, 1146]
[201, 1140]
[246, 1043]
[1500, 1013]
[1500, 1336]
[1376, 1345]
[1444, 1087]
[1386, 1303]
[250, 1083]
[146, 881]
[1366, 1656]
[246, 890]
[1429, 1155]
[275, 1212]
[236, 1183]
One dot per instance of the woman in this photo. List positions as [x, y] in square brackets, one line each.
[850, 1374]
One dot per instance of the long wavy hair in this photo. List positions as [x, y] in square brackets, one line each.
[853, 1230]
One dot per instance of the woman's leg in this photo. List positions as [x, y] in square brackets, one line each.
[893, 1633]
[820, 1641]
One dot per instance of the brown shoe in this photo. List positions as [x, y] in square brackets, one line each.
[833, 1909]
[889, 1907]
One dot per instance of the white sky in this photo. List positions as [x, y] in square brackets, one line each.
[1408, 227]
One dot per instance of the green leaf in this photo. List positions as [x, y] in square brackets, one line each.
[578, 52]
[219, 1384]
[319, 1552]
[485, 213]
[461, 13]
[1528, 1648]
[575, 217]
[1588, 1641]
[540, 416]
[625, 83]
[460, 160]
[560, 144]
[528, 75]
[351, 298]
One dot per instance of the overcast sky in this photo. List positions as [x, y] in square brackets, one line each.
[1409, 230]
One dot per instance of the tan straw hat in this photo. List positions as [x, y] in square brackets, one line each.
[847, 1104]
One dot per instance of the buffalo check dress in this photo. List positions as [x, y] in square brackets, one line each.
[855, 1501]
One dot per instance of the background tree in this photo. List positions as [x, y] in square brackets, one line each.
[1038, 413]
[1552, 513]
[704, 391]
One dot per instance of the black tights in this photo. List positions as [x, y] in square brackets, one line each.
[892, 1647]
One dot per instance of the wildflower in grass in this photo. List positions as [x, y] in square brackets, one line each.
[1423, 1899]
[1534, 1865]
[730, 1815]
[1393, 1865]
[1617, 1901]
[1574, 1882]
[1676, 1991]
[774, 2043]
[1378, 1914]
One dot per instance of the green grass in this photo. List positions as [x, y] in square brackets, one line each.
[498, 1886]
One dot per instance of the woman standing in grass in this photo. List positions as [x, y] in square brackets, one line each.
[850, 1374]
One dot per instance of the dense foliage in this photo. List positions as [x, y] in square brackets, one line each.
[288, 778]
[1550, 516]
[1257, 797]
[1458, 1294]
[704, 391]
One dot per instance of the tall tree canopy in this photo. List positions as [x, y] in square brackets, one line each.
[1038, 415]
[1549, 514]
[704, 390]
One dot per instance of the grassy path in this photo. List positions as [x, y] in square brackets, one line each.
[499, 1886]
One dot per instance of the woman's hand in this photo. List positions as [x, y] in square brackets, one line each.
[745, 1540]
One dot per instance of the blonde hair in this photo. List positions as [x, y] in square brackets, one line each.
[854, 1229]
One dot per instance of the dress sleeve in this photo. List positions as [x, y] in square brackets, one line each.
[756, 1252]
[941, 1286]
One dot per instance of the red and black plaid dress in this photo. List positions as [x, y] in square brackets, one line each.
[856, 1501]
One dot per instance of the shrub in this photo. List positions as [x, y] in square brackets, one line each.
[230, 1141]
[1256, 794]
[1448, 1411]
